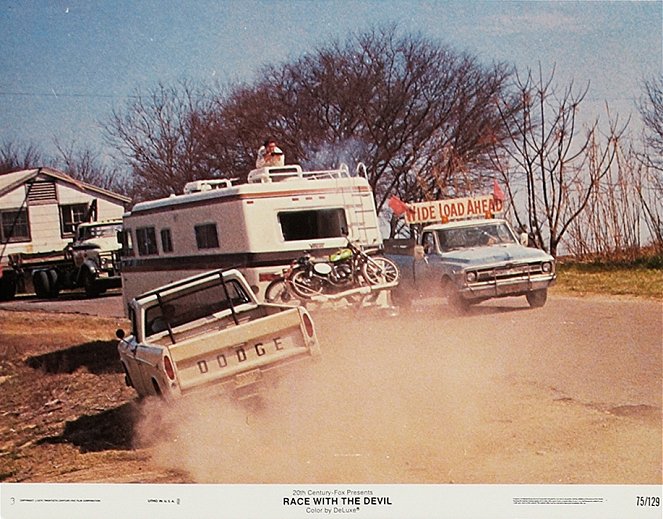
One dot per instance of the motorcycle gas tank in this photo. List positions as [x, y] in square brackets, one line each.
[340, 255]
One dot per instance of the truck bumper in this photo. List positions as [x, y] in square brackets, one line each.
[106, 282]
[506, 288]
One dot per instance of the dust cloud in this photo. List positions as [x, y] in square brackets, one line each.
[391, 400]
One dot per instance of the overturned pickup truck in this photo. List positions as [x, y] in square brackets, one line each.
[209, 332]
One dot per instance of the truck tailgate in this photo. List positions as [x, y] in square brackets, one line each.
[239, 353]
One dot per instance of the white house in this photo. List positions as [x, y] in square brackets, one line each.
[40, 208]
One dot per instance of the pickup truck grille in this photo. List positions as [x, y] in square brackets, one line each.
[505, 272]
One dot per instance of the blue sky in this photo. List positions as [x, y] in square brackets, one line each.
[66, 64]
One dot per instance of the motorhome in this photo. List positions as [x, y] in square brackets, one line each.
[257, 227]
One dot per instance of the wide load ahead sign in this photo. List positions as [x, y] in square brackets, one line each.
[453, 209]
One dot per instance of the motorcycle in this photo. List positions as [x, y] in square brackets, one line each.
[342, 272]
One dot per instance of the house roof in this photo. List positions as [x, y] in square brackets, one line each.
[12, 180]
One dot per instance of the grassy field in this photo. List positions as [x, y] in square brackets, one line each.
[638, 280]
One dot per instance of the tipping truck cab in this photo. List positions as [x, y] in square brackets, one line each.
[209, 333]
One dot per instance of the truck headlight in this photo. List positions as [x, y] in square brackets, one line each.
[470, 276]
[547, 267]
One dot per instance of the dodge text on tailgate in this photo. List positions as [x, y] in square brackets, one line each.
[210, 332]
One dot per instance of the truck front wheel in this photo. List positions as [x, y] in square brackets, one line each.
[455, 300]
[89, 282]
[537, 298]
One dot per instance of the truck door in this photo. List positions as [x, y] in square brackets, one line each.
[425, 270]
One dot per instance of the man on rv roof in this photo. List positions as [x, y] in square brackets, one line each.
[270, 154]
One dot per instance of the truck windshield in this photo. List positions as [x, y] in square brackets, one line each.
[475, 236]
[98, 231]
[193, 304]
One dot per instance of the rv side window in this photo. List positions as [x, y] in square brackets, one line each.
[126, 241]
[146, 240]
[308, 225]
[166, 240]
[206, 236]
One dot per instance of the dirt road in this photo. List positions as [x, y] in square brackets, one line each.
[570, 393]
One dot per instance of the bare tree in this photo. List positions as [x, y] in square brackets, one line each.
[418, 114]
[87, 165]
[610, 228]
[158, 136]
[651, 110]
[16, 157]
[558, 167]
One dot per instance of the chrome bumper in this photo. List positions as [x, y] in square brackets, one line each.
[506, 287]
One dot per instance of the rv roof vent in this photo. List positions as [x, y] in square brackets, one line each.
[275, 174]
[198, 186]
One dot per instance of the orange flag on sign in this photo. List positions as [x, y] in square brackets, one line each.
[397, 206]
[498, 194]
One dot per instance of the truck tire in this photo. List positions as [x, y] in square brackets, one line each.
[537, 298]
[89, 282]
[7, 288]
[458, 304]
[53, 285]
[41, 283]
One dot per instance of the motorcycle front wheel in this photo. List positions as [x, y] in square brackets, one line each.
[306, 286]
[380, 270]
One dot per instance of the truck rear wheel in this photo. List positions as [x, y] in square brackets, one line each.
[7, 288]
[53, 285]
[41, 283]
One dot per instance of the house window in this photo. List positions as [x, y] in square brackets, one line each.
[312, 225]
[146, 239]
[70, 216]
[166, 240]
[14, 225]
[206, 236]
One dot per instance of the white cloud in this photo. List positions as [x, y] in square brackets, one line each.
[527, 23]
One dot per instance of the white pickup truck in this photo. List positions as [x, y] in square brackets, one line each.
[209, 332]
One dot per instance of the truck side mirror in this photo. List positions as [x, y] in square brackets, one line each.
[119, 333]
[524, 239]
[419, 252]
